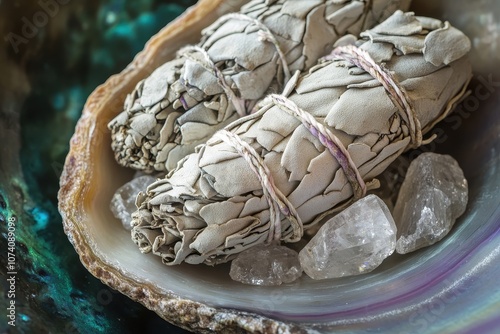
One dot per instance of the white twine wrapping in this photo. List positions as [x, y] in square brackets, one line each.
[264, 35]
[396, 92]
[278, 202]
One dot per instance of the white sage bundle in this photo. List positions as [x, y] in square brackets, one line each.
[311, 151]
[240, 58]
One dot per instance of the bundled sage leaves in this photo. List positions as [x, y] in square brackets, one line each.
[310, 151]
[239, 58]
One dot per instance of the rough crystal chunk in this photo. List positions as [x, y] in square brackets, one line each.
[266, 265]
[355, 241]
[123, 202]
[433, 195]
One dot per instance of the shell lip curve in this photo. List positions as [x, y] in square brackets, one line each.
[76, 191]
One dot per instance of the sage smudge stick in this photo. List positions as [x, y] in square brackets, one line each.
[239, 59]
[319, 146]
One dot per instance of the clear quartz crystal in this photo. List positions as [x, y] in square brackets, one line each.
[266, 265]
[123, 202]
[355, 241]
[433, 195]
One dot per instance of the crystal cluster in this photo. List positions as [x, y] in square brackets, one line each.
[266, 265]
[123, 202]
[433, 195]
[355, 241]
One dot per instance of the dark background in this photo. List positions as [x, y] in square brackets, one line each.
[54, 53]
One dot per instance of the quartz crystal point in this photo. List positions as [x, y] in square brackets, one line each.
[216, 203]
[123, 202]
[266, 265]
[184, 102]
[433, 195]
[354, 242]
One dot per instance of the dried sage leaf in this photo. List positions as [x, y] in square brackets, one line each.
[239, 59]
[275, 173]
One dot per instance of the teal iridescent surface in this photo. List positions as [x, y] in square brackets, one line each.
[451, 287]
[47, 78]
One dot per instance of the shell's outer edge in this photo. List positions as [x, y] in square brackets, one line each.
[101, 106]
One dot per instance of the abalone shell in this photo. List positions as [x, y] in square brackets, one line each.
[449, 287]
